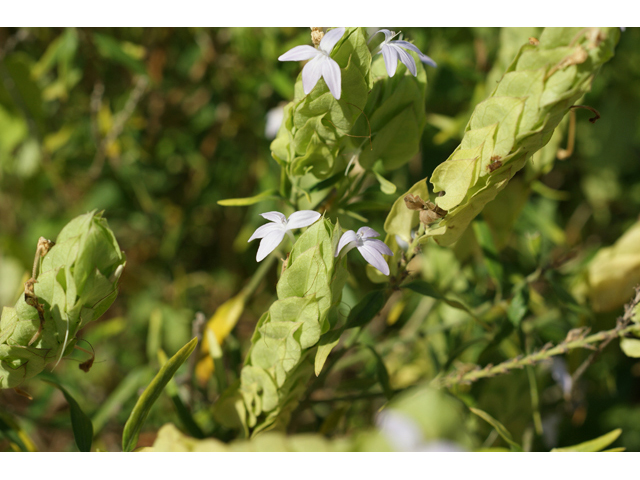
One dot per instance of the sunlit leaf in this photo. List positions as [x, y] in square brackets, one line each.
[150, 395]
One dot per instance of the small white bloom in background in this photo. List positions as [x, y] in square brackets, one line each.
[405, 435]
[371, 249]
[394, 50]
[321, 64]
[274, 120]
[273, 233]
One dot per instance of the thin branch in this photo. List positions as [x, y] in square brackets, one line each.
[622, 323]
[576, 338]
[118, 123]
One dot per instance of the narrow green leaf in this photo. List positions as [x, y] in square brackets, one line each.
[502, 431]
[595, 445]
[80, 423]
[243, 202]
[151, 394]
[383, 375]
[15, 434]
[183, 411]
[366, 309]
[126, 389]
[426, 289]
[328, 182]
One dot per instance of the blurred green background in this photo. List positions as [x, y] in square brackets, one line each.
[156, 125]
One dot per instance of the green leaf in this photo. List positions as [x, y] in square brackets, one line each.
[385, 185]
[502, 431]
[183, 411]
[151, 394]
[327, 343]
[111, 49]
[366, 309]
[243, 202]
[18, 438]
[381, 372]
[630, 347]
[401, 220]
[519, 304]
[127, 388]
[489, 252]
[595, 445]
[425, 288]
[80, 423]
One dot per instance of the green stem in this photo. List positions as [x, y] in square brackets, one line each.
[459, 378]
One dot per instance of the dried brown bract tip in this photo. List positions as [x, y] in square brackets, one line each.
[429, 211]
[496, 163]
[316, 35]
[534, 41]
[414, 202]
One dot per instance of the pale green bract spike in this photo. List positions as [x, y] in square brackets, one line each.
[279, 363]
[396, 112]
[517, 120]
[76, 284]
[312, 136]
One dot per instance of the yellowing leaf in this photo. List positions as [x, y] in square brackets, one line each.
[615, 271]
[221, 323]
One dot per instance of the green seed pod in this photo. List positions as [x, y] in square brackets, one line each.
[77, 282]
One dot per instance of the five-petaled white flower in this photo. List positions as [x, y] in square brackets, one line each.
[273, 233]
[321, 64]
[370, 248]
[393, 50]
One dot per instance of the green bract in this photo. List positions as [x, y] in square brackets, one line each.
[319, 135]
[279, 363]
[518, 119]
[312, 136]
[395, 110]
[77, 283]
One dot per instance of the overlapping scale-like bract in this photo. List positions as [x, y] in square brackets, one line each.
[77, 283]
[536, 92]
[312, 135]
[280, 361]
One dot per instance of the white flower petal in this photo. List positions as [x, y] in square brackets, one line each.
[374, 258]
[367, 232]
[269, 243]
[428, 60]
[408, 46]
[274, 217]
[390, 59]
[303, 218]
[379, 246]
[331, 75]
[311, 73]
[406, 59]
[387, 34]
[347, 237]
[299, 53]
[265, 230]
[330, 39]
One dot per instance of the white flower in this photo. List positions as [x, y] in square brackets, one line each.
[371, 249]
[321, 64]
[273, 233]
[404, 434]
[393, 50]
[274, 120]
